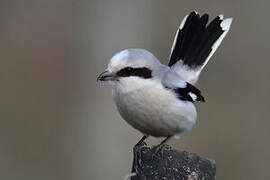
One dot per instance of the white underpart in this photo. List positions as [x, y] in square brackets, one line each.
[192, 75]
[153, 109]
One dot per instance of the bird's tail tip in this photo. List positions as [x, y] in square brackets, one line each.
[226, 24]
[196, 41]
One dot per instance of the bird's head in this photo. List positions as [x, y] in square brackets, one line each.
[130, 64]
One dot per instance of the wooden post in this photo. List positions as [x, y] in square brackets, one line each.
[169, 164]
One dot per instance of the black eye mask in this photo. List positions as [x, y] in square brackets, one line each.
[139, 72]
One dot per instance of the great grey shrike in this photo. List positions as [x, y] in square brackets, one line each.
[157, 99]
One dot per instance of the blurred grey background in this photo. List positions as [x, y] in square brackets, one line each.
[57, 123]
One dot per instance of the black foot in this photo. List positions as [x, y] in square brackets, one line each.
[141, 142]
[138, 150]
[159, 149]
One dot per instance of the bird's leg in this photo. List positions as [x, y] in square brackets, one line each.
[142, 140]
[137, 151]
[161, 145]
[165, 140]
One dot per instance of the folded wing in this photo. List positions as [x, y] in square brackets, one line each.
[182, 90]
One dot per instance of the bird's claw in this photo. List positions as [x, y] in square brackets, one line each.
[159, 150]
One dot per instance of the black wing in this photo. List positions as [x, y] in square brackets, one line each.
[188, 93]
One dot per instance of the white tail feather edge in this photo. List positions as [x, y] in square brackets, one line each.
[192, 75]
[225, 25]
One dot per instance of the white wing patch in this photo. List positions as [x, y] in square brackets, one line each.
[193, 96]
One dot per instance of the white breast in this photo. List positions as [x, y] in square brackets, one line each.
[149, 107]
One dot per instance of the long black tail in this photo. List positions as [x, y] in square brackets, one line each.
[195, 41]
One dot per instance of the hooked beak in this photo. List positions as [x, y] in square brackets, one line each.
[106, 76]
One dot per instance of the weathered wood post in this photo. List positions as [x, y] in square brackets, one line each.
[170, 164]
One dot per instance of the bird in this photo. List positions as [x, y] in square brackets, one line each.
[157, 99]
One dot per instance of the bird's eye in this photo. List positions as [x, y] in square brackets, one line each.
[129, 69]
[139, 72]
[125, 72]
